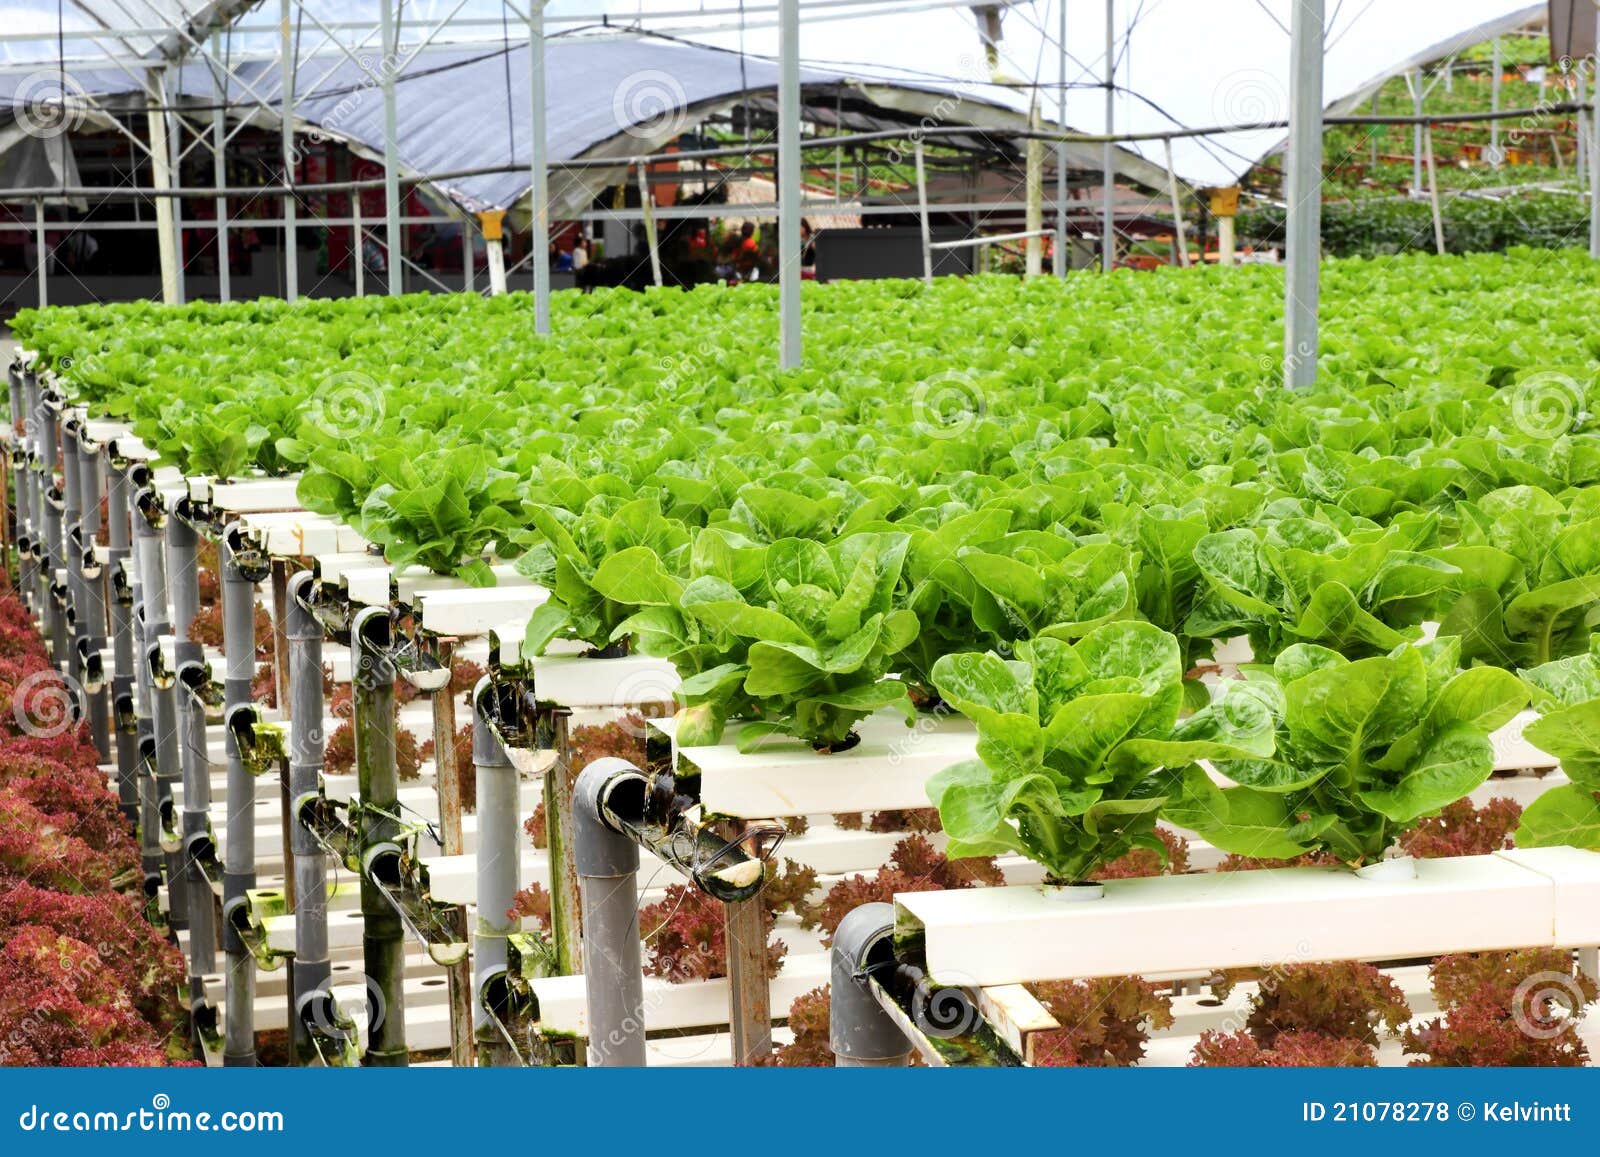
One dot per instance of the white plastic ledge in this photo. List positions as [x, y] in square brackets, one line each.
[1527, 898]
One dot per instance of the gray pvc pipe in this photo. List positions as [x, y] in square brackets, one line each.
[183, 584]
[608, 862]
[147, 792]
[196, 818]
[123, 675]
[497, 868]
[163, 700]
[311, 965]
[239, 866]
[91, 641]
[860, 1032]
[71, 554]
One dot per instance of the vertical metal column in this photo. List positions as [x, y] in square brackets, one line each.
[219, 176]
[239, 851]
[497, 872]
[1594, 163]
[1416, 129]
[311, 964]
[1494, 103]
[1304, 233]
[922, 212]
[789, 184]
[378, 781]
[160, 180]
[1059, 263]
[288, 64]
[41, 245]
[391, 149]
[539, 189]
[1108, 177]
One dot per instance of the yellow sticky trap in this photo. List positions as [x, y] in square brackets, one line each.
[492, 222]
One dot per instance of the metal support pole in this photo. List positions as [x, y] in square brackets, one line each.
[539, 189]
[287, 66]
[1033, 206]
[1494, 103]
[41, 244]
[311, 964]
[447, 779]
[497, 869]
[1304, 232]
[922, 213]
[1594, 168]
[357, 233]
[1177, 209]
[378, 781]
[1373, 137]
[1416, 130]
[1059, 262]
[608, 863]
[1581, 144]
[469, 274]
[647, 207]
[391, 148]
[1108, 180]
[161, 179]
[239, 851]
[1433, 194]
[789, 184]
[860, 1032]
[219, 175]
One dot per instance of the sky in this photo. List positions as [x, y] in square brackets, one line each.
[1186, 63]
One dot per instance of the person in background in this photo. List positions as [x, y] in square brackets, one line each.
[580, 252]
[808, 250]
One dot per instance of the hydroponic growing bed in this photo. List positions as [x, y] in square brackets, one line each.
[1062, 560]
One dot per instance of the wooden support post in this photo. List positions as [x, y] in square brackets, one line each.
[566, 905]
[1433, 194]
[749, 996]
[447, 780]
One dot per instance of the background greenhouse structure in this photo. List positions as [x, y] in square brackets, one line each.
[800, 533]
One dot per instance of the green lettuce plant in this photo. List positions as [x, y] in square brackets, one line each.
[1566, 692]
[1363, 750]
[1071, 738]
